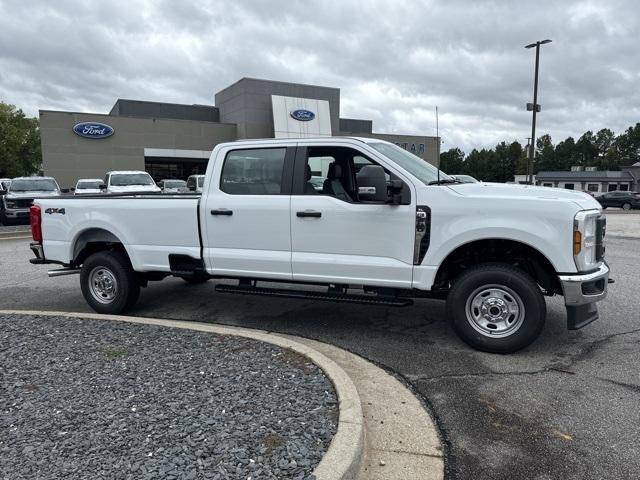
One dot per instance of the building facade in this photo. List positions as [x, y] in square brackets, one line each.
[175, 141]
[595, 182]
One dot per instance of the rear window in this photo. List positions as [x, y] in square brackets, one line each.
[253, 172]
[127, 179]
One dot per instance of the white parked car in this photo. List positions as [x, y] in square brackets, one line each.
[86, 186]
[130, 182]
[173, 186]
[392, 230]
[195, 183]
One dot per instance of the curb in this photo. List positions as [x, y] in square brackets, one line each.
[343, 457]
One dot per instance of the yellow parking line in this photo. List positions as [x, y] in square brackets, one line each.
[15, 238]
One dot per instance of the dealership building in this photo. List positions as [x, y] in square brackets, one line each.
[174, 141]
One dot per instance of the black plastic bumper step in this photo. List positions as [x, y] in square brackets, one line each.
[310, 295]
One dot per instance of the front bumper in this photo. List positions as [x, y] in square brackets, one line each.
[581, 292]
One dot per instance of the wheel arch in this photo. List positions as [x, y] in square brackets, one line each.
[93, 240]
[516, 253]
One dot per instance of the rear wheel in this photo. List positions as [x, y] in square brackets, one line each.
[626, 206]
[496, 308]
[109, 283]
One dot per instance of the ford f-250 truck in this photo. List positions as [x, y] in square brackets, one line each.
[385, 228]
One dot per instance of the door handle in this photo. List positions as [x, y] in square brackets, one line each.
[222, 211]
[309, 213]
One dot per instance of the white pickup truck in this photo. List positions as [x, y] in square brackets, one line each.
[385, 228]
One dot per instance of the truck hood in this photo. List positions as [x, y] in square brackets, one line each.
[133, 188]
[32, 194]
[513, 191]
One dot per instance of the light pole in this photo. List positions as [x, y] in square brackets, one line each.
[535, 108]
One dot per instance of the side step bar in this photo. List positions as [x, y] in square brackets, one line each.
[310, 295]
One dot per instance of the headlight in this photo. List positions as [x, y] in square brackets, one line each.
[585, 240]
[9, 203]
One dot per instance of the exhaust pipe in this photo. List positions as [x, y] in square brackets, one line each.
[63, 271]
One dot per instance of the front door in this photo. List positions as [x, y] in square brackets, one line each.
[247, 231]
[337, 236]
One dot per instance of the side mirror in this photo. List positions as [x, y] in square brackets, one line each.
[372, 184]
[3, 192]
[102, 186]
[72, 189]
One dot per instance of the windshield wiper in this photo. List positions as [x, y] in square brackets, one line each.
[444, 181]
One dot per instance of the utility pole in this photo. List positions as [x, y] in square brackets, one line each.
[535, 108]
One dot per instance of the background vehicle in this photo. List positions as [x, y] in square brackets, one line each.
[15, 204]
[173, 186]
[393, 229]
[4, 184]
[195, 183]
[86, 186]
[129, 182]
[624, 200]
[465, 178]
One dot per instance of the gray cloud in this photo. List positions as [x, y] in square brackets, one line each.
[394, 61]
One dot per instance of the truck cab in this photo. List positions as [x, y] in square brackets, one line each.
[384, 228]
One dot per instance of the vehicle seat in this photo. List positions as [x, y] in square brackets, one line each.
[333, 186]
[308, 186]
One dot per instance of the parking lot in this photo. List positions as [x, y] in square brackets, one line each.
[564, 408]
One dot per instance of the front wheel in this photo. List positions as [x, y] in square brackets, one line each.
[626, 206]
[496, 308]
[109, 283]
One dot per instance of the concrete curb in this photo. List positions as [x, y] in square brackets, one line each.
[344, 456]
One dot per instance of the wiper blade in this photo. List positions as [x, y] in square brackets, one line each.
[444, 181]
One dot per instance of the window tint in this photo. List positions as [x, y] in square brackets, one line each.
[253, 172]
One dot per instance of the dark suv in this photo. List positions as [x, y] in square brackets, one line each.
[624, 200]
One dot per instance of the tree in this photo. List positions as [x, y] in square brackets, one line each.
[545, 155]
[452, 161]
[20, 151]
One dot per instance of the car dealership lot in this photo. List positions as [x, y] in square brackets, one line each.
[564, 408]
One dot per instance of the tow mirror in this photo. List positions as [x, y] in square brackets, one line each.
[372, 184]
[3, 192]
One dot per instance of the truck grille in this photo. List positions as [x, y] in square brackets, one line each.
[601, 229]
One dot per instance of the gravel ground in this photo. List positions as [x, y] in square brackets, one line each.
[99, 399]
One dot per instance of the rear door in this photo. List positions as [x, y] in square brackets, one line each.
[339, 238]
[247, 230]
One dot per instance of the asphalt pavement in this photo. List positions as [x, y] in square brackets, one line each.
[566, 407]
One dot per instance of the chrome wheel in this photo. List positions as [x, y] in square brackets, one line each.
[103, 285]
[495, 311]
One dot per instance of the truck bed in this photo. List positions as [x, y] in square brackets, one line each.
[149, 226]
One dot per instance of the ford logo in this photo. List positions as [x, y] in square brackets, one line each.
[93, 130]
[303, 115]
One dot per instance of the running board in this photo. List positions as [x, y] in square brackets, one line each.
[311, 295]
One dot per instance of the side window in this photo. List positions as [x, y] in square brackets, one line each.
[253, 172]
[191, 183]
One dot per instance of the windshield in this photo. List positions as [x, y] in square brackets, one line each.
[127, 179]
[174, 183]
[419, 168]
[95, 184]
[33, 185]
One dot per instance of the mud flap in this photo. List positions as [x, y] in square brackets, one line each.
[581, 315]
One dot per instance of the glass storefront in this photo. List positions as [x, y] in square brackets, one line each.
[179, 168]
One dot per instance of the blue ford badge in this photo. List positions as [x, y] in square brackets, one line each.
[93, 130]
[303, 115]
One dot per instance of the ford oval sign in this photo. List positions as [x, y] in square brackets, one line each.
[303, 115]
[93, 130]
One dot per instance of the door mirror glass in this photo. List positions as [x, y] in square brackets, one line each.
[372, 184]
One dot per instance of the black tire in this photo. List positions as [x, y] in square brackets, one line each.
[510, 291]
[196, 279]
[116, 270]
[626, 206]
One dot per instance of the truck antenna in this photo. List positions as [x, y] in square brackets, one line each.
[438, 139]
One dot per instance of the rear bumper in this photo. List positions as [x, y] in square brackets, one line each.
[581, 293]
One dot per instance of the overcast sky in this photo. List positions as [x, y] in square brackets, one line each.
[394, 61]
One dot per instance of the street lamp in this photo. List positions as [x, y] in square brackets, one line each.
[535, 108]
